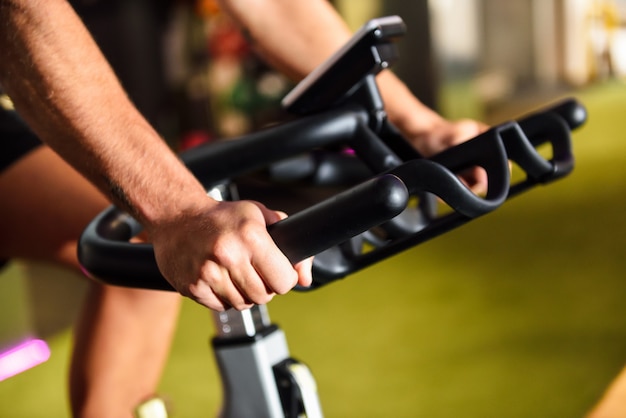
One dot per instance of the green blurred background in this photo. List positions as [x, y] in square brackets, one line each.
[520, 313]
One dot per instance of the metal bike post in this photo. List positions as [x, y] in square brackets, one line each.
[259, 377]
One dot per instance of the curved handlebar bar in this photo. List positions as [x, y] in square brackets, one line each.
[326, 229]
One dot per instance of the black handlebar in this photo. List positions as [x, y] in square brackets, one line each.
[326, 229]
[377, 211]
[341, 217]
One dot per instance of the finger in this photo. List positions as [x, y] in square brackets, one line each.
[240, 284]
[216, 282]
[271, 216]
[476, 179]
[281, 216]
[304, 269]
[465, 129]
[275, 269]
[252, 287]
[271, 264]
[204, 295]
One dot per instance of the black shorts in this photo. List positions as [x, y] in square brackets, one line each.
[16, 140]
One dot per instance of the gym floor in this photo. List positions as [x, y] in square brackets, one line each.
[518, 314]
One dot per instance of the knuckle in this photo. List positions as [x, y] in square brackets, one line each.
[225, 252]
[260, 296]
[218, 307]
[196, 292]
[284, 286]
[265, 298]
[252, 233]
[242, 306]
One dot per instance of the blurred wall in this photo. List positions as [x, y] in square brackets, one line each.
[518, 46]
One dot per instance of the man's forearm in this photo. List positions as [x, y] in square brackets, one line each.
[64, 88]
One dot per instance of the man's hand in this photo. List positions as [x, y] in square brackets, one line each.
[222, 256]
[445, 134]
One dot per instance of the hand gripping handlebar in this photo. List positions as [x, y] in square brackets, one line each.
[105, 252]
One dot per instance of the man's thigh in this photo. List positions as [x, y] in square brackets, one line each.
[44, 203]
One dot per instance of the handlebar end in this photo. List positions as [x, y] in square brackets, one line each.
[572, 111]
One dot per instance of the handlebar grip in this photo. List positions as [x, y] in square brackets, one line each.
[341, 217]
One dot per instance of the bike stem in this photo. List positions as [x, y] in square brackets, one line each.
[258, 375]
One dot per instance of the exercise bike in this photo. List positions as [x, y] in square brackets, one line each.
[388, 198]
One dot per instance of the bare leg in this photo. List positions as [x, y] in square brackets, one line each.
[123, 336]
[613, 403]
[122, 342]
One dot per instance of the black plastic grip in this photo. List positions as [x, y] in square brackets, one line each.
[341, 217]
